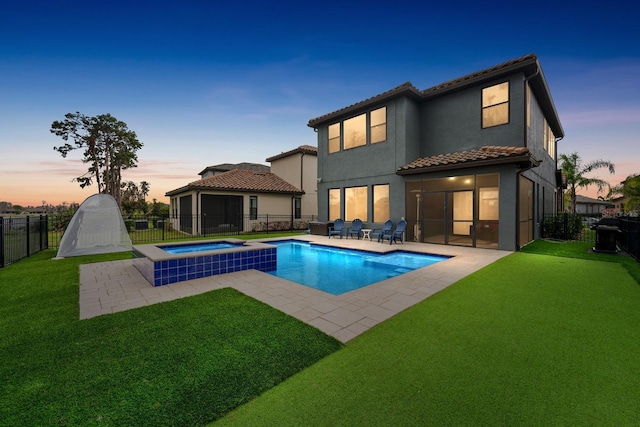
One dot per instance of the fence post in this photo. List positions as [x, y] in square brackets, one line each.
[1, 241]
[164, 224]
[267, 223]
[28, 239]
[43, 233]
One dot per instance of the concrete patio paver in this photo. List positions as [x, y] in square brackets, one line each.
[110, 287]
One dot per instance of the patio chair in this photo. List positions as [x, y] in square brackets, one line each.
[355, 229]
[386, 228]
[398, 233]
[337, 228]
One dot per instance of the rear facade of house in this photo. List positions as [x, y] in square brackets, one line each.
[469, 162]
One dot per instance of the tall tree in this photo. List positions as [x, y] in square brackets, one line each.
[134, 197]
[630, 190]
[575, 171]
[109, 148]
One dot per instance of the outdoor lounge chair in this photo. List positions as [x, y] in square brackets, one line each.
[337, 228]
[398, 233]
[355, 229]
[386, 228]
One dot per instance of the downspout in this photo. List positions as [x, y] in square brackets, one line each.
[302, 171]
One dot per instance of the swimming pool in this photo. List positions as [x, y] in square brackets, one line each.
[336, 270]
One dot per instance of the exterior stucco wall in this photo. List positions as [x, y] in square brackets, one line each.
[453, 122]
[371, 164]
[300, 170]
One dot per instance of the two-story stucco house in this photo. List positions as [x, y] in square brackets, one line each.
[468, 162]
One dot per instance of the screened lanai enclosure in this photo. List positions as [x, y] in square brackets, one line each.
[458, 210]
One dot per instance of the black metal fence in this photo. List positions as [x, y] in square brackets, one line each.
[21, 237]
[147, 228]
[578, 228]
[629, 236]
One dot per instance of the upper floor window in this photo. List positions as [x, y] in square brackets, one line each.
[379, 125]
[253, 207]
[495, 105]
[370, 127]
[355, 131]
[549, 140]
[334, 138]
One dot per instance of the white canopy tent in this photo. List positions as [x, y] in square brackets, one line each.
[97, 227]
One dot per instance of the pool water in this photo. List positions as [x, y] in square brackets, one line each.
[198, 247]
[337, 271]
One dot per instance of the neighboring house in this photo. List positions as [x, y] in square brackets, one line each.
[232, 198]
[587, 205]
[618, 205]
[469, 162]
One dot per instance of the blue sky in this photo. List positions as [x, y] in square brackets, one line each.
[203, 83]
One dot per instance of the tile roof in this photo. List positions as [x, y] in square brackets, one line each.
[303, 149]
[241, 180]
[528, 64]
[517, 62]
[487, 155]
[404, 89]
[257, 167]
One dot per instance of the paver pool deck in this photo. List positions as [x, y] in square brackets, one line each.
[110, 287]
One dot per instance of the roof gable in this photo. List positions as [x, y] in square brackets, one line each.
[303, 149]
[241, 180]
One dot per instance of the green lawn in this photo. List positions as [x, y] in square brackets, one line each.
[184, 362]
[540, 337]
[529, 340]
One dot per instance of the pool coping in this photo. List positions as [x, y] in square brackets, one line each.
[110, 287]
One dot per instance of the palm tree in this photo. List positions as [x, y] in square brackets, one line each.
[575, 171]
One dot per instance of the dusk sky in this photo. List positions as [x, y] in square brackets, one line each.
[203, 83]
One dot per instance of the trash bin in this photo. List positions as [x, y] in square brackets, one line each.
[606, 238]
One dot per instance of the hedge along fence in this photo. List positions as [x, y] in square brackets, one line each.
[260, 227]
[564, 227]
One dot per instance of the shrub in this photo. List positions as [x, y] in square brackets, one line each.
[563, 227]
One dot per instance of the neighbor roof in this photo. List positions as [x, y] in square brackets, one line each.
[527, 64]
[487, 155]
[241, 180]
[590, 201]
[223, 167]
[303, 149]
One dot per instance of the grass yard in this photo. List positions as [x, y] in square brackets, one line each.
[179, 363]
[530, 340]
